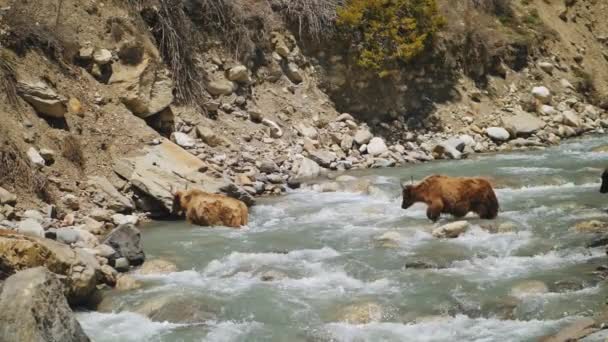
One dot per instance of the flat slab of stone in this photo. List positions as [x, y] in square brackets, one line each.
[162, 167]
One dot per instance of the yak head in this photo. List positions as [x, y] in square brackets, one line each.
[604, 188]
[408, 196]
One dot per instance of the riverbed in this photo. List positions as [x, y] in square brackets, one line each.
[310, 267]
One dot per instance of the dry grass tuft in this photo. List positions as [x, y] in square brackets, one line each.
[172, 30]
[72, 151]
[8, 79]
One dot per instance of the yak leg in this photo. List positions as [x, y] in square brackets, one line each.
[434, 210]
[460, 210]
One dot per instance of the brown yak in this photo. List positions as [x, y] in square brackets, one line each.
[206, 209]
[452, 195]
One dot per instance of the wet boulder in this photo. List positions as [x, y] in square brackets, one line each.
[529, 288]
[175, 309]
[388, 240]
[126, 241]
[157, 266]
[33, 308]
[592, 226]
[361, 313]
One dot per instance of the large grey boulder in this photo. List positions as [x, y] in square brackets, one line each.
[80, 269]
[114, 199]
[306, 169]
[323, 158]
[543, 94]
[376, 147]
[43, 98]
[522, 124]
[571, 119]
[126, 241]
[33, 308]
[363, 136]
[498, 133]
[221, 87]
[158, 169]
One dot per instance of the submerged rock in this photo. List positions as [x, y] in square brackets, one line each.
[34, 309]
[126, 241]
[361, 313]
[592, 226]
[388, 240]
[451, 230]
[529, 288]
[157, 266]
[175, 309]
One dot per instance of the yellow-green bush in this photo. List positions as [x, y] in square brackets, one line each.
[387, 32]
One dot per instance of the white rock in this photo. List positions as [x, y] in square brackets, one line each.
[34, 215]
[468, 140]
[547, 110]
[102, 56]
[498, 133]
[30, 227]
[546, 67]
[105, 250]
[7, 197]
[43, 98]
[543, 94]
[239, 73]
[376, 147]
[566, 84]
[275, 130]
[182, 139]
[571, 119]
[363, 136]
[307, 131]
[221, 87]
[307, 169]
[451, 230]
[120, 219]
[35, 157]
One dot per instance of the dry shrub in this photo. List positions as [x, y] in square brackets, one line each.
[172, 30]
[72, 151]
[241, 24]
[8, 79]
[23, 36]
[17, 172]
[313, 18]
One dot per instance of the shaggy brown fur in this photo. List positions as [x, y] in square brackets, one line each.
[205, 209]
[451, 195]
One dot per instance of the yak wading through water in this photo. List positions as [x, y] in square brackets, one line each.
[452, 195]
[206, 209]
[604, 187]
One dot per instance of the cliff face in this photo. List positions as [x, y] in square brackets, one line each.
[256, 89]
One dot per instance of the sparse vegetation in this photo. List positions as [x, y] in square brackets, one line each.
[171, 28]
[16, 172]
[315, 19]
[386, 33]
[72, 150]
[8, 80]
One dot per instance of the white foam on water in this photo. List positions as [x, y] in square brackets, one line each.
[500, 245]
[518, 170]
[494, 268]
[228, 331]
[459, 328]
[566, 294]
[237, 262]
[124, 326]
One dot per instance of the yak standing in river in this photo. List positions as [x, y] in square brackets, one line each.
[452, 195]
[206, 209]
